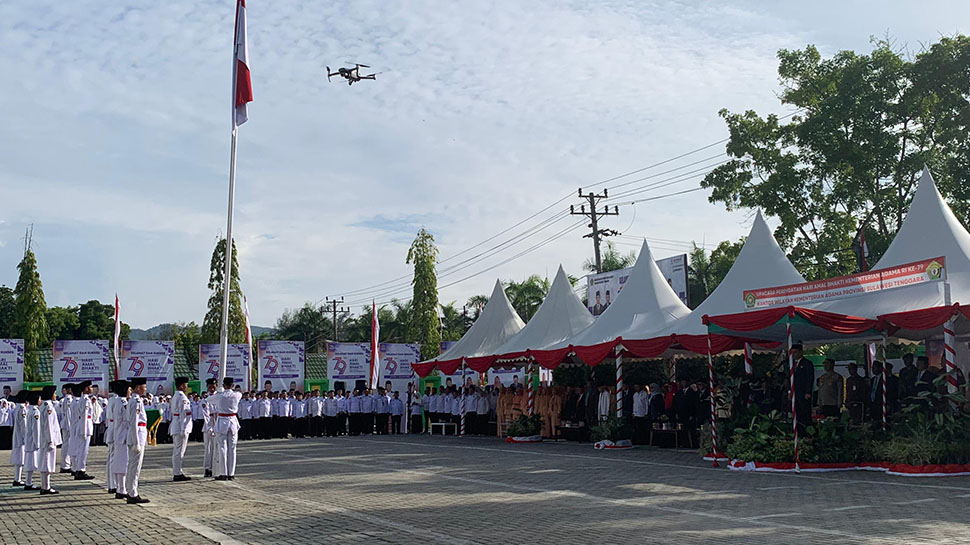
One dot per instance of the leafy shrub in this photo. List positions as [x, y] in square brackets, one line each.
[525, 426]
[613, 429]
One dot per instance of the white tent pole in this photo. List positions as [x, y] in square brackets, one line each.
[710, 374]
[619, 385]
[791, 380]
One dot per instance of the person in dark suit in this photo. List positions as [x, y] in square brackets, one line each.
[804, 385]
[892, 389]
[924, 376]
[907, 378]
[590, 402]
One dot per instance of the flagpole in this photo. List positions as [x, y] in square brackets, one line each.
[227, 278]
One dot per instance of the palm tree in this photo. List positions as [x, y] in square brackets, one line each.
[526, 296]
[611, 260]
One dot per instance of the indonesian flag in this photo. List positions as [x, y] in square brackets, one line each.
[865, 250]
[375, 355]
[249, 339]
[117, 334]
[242, 87]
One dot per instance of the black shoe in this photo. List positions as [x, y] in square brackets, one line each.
[222, 478]
[119, 496]
[31, 487]
[181, 478]
[232, 477]
[18, 483]
[48, 491]
[208, 473]
[112, 491]
[82, 476]
[66, 471]
[135, 499]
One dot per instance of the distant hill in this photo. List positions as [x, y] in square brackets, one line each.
[154, 332]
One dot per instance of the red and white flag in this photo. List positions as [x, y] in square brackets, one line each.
[249, 339]
[865, 250]
[117, 336]
[375, 358]
[242, 87]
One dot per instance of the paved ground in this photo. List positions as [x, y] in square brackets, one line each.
[480, 490]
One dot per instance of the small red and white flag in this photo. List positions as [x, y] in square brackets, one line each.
[865, 250]
[242, 86]
[375, 358]
[117, 336]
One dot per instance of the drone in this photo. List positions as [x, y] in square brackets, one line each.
[352, 75]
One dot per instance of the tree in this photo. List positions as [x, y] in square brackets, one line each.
[477, 303]
[309, 324]
[850, 157]
[705, 272]
[6, 312]
[526, 296]
[187, 337]
[63, 323]
[30, 309]
[96, 320]
[612, 260]
[424, 326]
[213, 317]
[454, 322]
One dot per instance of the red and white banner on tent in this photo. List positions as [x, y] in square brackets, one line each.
[242, 87]
[919, 272]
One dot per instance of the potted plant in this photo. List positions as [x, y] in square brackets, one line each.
[613, 433]
[525, 429]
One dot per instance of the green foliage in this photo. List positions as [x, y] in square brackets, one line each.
[424, 325]
[524, 425]
[310, 324]
[187, 337]
[7, 305]
[526, 296]
[706, 270]
[574, 376]
[611, 260]
[30, 309]
[213, 317]
[850, 157]
[613, 429]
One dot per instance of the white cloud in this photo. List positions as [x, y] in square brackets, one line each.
[116, 140]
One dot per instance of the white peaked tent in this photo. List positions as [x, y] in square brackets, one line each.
[560, 316]
[495, 325]
[761, 262]
[646, 304]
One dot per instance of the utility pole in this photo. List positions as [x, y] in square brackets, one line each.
[594, 216]
[332, 303]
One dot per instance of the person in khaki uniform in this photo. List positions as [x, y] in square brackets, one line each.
[830, 388]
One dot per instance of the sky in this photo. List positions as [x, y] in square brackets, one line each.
[116, 133]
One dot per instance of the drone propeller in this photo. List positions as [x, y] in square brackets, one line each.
[358, 64]
[328, 73]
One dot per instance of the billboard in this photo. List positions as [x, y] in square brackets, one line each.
[348, 363]
[237, 363]
[78, 361]
[603, 288]
[282, 363]
[11, 365]
[919, 272]
[396, 361]
[153, 360]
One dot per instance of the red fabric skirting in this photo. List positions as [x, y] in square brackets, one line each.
[760, 319]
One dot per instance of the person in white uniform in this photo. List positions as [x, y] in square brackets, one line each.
[227, 430]
[137, 437]
[109, 417]
[32, 439]
[84, 429]
[66, 415]
[180, 428]
[50, 439]
[119, 436]
[19, 416]
[208, 426]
